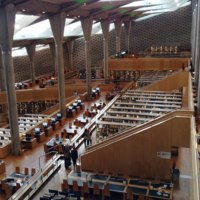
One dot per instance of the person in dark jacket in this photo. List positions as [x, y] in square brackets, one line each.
[67, 157]
[74, 155]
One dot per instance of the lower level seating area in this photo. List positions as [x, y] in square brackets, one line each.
[115, 187]
[61, 195]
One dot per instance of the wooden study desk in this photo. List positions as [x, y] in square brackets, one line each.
[48, 131]
[5, 150]
[27, 122]
[40, 137]
[28, 144]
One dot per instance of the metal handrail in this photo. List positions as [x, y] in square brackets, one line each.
[31, 183]
[46, 155]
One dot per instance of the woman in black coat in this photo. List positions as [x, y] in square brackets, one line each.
[67, 157]
[74, 156]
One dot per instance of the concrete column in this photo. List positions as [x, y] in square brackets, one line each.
[87, 30]
[118, 28]
[127, 28]
[2, 80]
[31, 54]
[70, 47]
[7, 22]
[196, 55]
[57, 25]
[193, 34]
[197, 46]
[105, 29]
[53, 53]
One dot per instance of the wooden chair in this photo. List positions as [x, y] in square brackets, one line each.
[105, 171]
[106, 192]
[129, 195]
[65, 185]
[85, 189]
[6, 189]
[65, 133]
[26, 171]
[33, 171]
[140, 197]
[45, 148]
[17, 170]
[75, 187]
[96, 191]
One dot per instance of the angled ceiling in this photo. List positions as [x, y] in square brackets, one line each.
[32, 15]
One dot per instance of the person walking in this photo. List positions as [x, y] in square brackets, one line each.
[67, 157]
[74, 156]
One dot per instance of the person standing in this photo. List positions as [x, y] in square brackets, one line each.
[67, 157]
[74, 155]
[87, 137]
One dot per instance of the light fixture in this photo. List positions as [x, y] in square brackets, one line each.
[43, 12]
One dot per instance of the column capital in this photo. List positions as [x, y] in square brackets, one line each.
[7, 22]
[118, 27]
[2, 79]
[105, 24]
[127, 27]
[31, 51]
[70, 46]
[57, 23]
[86, 25]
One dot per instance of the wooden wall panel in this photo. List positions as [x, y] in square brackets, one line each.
[137, 154]
[181, 128]
[146, 63]
[43, 94]
[170, 83]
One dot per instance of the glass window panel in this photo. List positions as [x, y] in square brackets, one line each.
[38, 30]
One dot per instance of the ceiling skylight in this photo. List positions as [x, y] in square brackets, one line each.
[151, 8]
[22, 21]
[147, 17]
[27, 27]
[37, 30]
[73, 29]
[155, 4]
[16, 52]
